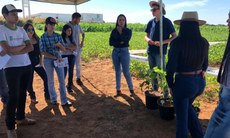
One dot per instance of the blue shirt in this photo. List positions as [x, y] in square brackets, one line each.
[47, 44]
[168, 29]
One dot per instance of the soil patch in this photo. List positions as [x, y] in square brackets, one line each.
[95, 112]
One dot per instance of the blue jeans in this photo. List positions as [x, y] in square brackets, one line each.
[219, 125]
[71, 61]
[121, 62]
[78, 64]
[185, 90]
[49, 66]
[42, 73]
[155, 60]
[3, 87]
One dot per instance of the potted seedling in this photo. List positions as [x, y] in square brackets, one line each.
[151, 96]
[165, 103]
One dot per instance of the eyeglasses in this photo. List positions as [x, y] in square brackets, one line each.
[30, 30]
[154, 9]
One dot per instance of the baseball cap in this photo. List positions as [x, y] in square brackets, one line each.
[50, 20]
[9, 8]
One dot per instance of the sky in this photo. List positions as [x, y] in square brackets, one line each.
[136, 11]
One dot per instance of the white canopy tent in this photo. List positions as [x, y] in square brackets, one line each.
[26, 3]
[67, 2]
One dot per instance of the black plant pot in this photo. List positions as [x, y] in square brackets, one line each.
[166, 110]
[151, 100]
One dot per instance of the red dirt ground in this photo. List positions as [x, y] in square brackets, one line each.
[95, 112]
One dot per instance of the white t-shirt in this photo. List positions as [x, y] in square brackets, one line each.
[15, 38]
[77, 30]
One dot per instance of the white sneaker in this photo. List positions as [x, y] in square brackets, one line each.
[11, 134]
[68, 103]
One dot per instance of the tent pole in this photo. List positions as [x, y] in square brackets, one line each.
[29, 9]
[75, 3]
[75, 7]
[161, 34]
[23, 8]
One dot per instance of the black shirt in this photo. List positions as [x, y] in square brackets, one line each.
[120, 40]
[168, 29]
[176, 62]
[35, 55]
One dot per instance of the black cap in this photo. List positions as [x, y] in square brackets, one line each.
[9, 8]
[50, 20]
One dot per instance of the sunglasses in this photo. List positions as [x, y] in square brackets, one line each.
[30, 30]
[154, 9]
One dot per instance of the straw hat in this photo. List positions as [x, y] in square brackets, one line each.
[190, 16]
[156, 2]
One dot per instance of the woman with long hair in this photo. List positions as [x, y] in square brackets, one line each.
[219, 125]
[188, 61]
[119, 39]
[36, 62]
[51, 45]
[69, 53]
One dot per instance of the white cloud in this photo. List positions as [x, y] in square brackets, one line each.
[184, 4]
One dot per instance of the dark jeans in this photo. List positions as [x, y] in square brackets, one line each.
[185, 90]
[71, 61]
[17, 79]
[3, 87]
[42, 73]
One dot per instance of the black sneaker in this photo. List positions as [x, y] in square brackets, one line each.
[118, 93]
[69, 89]
[47, 96]
[35, 101]
[79, 82]
[132, 93]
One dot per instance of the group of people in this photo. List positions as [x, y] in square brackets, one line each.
[29, 53]
[185, 69]
[186, 66]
